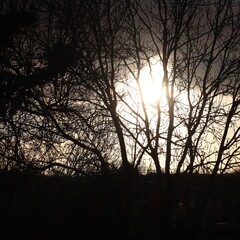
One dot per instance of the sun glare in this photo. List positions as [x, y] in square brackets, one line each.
[151, 82]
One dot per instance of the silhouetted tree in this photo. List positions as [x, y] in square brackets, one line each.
[196, 119]
[72, 100]
[37, 87]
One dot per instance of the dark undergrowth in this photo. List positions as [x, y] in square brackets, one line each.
[41, 207]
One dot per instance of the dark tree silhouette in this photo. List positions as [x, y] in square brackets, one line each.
[72, 102]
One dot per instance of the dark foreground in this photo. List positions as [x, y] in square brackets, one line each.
[37, 207]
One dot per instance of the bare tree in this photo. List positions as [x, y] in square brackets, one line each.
[40, 96]
[196, 117]
[81, 106]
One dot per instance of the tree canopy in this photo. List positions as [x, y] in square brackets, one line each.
[71, 97]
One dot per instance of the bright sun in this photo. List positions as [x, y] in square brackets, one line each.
[151, 82]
